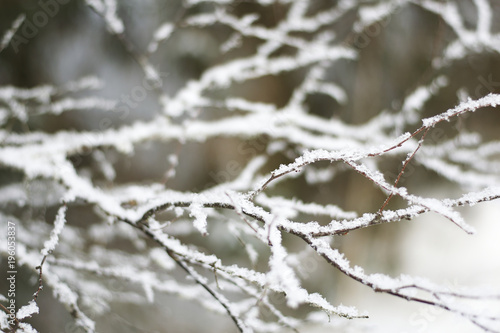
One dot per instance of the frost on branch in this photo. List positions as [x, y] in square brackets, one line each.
[227, 154]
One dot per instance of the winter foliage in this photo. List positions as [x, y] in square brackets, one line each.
[154, 237]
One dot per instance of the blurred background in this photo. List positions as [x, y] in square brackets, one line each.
[395, 57]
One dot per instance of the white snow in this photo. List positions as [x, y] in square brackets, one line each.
[27, 310]
[311, 148]
[59, 223]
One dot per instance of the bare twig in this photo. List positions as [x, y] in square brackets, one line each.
[40, 279]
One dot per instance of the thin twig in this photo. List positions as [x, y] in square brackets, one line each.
[11, 329]
[40, 280]
[405, 164]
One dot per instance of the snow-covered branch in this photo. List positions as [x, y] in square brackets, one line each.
[218, 186]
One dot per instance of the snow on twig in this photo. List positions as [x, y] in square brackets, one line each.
[7, 37]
